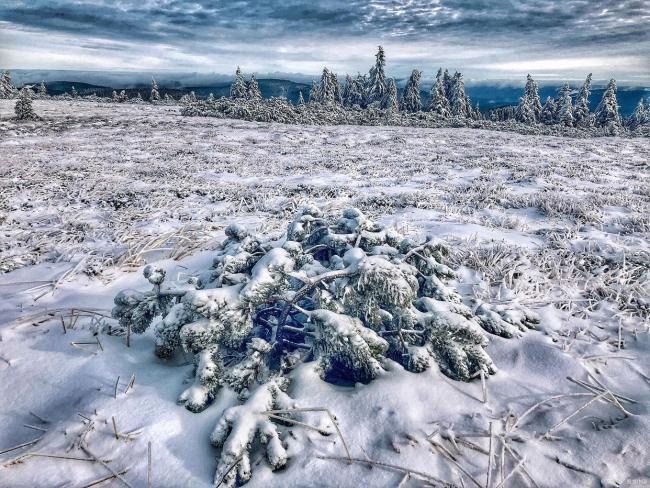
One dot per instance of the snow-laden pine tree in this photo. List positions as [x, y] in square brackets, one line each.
[638, 117]
[524, 112]
[253, 90]
[114, 96]
[329, 90]
[438, 102]
[564, 110]
[459, 101]
[581, 115]
[530, 107]
[532, 94]
[447, 84]
[73, 92]
[7, 89]
[314, 95]
[301, 99]
[23, 108]
[377, 83]
[549, 110]
[607, 115]
[238, 88]
[123, 97]
[353, 93]
[155, 94]
[390, 99]
[411, 97]
[346, 293]
[42, 90]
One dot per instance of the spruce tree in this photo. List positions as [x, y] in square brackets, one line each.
[447, 83]
[532, 94]
[353, 92]
[581, 115]
[525, 113]
[329, 91]
[123, 97]
[314, 96]
[548, 112]
[459, 100]
[390, 99]
[7, 90]
[238, 87]
[114, 96]
[411, 97]
[638, 117]
[564, 111]
[377, 85]
[438, 102]
[23, 107]
[73, 92]
[42, 90]
[155, 94]
[253, 91]
[606, 114]
[301, 100]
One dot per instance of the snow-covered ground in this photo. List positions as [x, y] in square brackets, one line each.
[95, 191]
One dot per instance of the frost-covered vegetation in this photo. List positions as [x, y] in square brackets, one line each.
[372, 100]
[310, 332]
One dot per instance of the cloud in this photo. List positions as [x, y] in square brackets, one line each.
[303, 35]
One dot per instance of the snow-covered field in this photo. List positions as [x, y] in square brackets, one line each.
[93, 192]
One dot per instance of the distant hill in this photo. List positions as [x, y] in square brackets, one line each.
[488, 96]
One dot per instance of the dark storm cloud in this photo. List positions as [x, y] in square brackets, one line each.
[520, 29]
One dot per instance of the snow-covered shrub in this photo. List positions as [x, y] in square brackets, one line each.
[346, 292]
[23, 108]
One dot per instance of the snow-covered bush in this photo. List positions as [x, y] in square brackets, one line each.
[23, 108]
[346, 292]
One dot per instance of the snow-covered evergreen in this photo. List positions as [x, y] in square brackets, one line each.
[346, 292]
[377, 83]
[155, 94]
[581, 115]
[638, 117]
[411, 97]
[73, 92]
[314, 95]
[301, 99]
[549, 110]
[253, 90]
[458, 100]
[23, 108]
[353, 92]
[529, 107]
[607, 115]
[447, 83]
[564, 110]
[238, 88]
[7, 89]
[329, 90]
[390, 99]
[438, 102]
[42, 90]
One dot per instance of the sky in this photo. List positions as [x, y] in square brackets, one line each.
[486, 39]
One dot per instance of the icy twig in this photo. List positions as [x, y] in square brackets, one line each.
[566, 419]
[131, 383]
[424, 476]
[488, 481]
[329, 413]
[117, 382]
[33, 427]
[542, 402]
[115, 474]
[105, 479]
[20, 446]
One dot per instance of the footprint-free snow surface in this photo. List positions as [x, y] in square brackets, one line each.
[93, 192]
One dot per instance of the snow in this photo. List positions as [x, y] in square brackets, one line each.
[119, 186]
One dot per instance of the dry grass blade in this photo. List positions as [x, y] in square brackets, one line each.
[105, 479]
[424, 476]
[115, 474]
[329, 413]
[20, 446]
